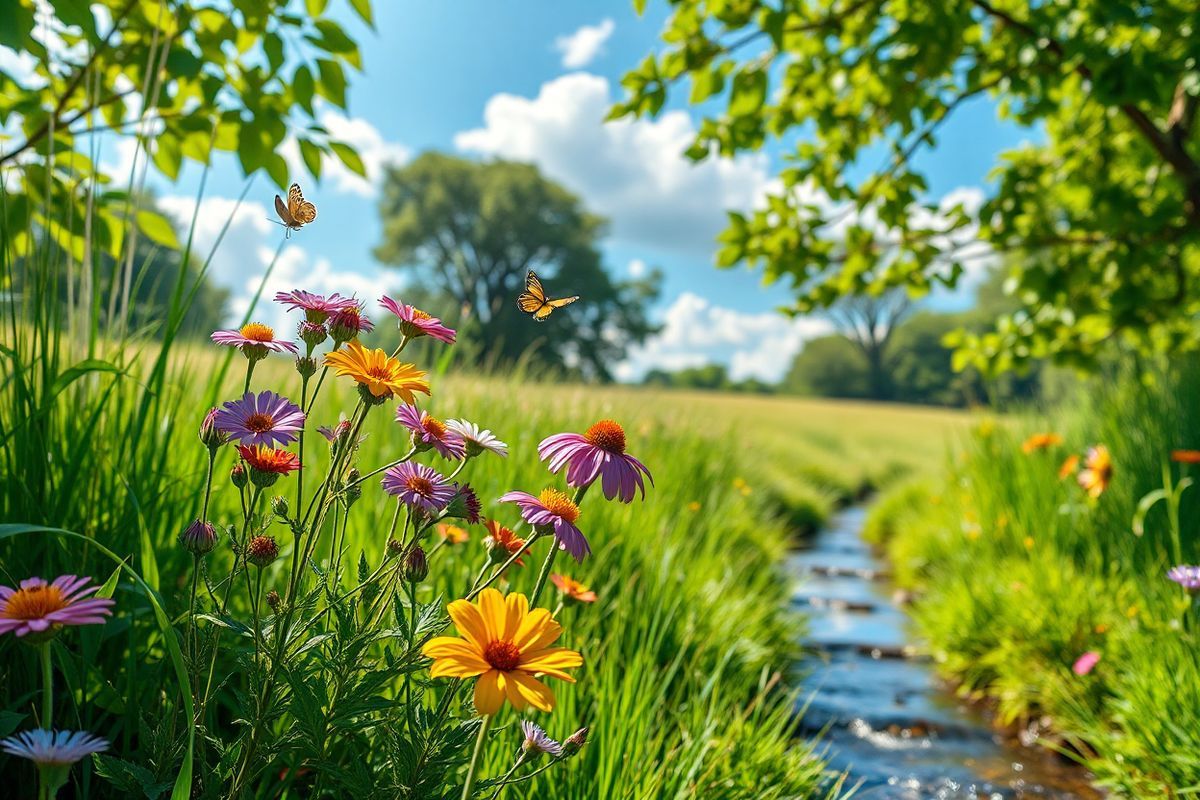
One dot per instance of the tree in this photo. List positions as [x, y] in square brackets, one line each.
[869, 322]
[828, 366]
[1103, 212]
[473, 230]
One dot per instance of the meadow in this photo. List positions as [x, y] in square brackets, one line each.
[685, 684]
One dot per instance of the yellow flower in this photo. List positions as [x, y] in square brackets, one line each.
[1040, 441]
[505, 645]
[1097, 472]
[452, 534]
[382, 375]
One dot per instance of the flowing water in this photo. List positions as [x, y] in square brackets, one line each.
[886, 718]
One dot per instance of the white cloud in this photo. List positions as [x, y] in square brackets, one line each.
[376, 152]
[632, 171]
[637, 268]
[695, 332]
[582, 46]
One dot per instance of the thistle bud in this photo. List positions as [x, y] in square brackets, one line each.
[465, 505]
[394, 548]
[274, 601]
[237, 476]
[575, 742]
[210, 435]
[306, 366]
[353, 489]
[312, 334]
[415, 566]
[262, 550]
[279, 507]
[198, 538]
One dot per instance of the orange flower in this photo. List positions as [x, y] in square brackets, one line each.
[1097, 471]
[573, 589]
[1069, 465]
[502, 543]
[1186, 456]
[379, 373]
[1041, 441]
[264, 458]
[505, 645]
[452, 534]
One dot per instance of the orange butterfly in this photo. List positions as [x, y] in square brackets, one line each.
[297, 213]
[534, 301]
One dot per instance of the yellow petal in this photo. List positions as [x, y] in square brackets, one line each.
[516, 607]
[513, 691]
[489, 692]
[551, 661]
[536, 693]
[491, 609]
[455, 667]
[470, 624]
[537, 630]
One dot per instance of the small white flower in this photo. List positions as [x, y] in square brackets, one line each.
[477, 439]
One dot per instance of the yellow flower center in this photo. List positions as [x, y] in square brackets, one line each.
[260, 423]
[607, 435]
[419, 314]
[258, 332]
[421, 486]
[380, 372]
[559, 504]
[35, 603]
[434, 427]
[503, 656]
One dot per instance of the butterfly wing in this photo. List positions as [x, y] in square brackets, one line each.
[306, 213]
[548, 307]
[534, 297]
[300, 210]
[282, 210]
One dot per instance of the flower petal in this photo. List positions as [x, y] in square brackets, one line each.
[489, 692]
[469, 622]
[551, 661]
[536, 693]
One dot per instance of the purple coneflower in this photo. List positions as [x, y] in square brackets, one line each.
[552, 509]
[53, 748]
[1187, 576]
[537, 741]
[478, 439]
[255, 340]
[414, 322]
[418, 487]
[36, 606]
[430, 432]
[316, 307]
[599, 451]
[265, 418]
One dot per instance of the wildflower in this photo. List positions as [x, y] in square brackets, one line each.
[237, 475]
[1097, 471]
[198, 538]
[54, 752]
[1186, 456]
[430, 432]
[598, 452]
[267, 463]
[380, 374]
[414, 322]
[573, 589]
[1040, 441]
[505, 645]
[316, 308]
[452, 534]
[338, 432]
[265, 418]
[312, 334]
[1069, 465]
[418, 486]
[1187, 576]
[348, 323]
[210, 435]
[478, 440]
[262, 550]
[537, 741]
[274, 601]
[255, 340]
[502, 544]
[415, 567]
[465, 505]
[394, 547]
[1086, 663]
[553, 511]
[279, 507]
[43, 608]
[575, 742]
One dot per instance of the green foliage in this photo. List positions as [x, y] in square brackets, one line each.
[477, 228]
[828, 366]
[1103, 214]
[708, 376]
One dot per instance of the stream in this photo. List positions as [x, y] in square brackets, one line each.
[881, 712]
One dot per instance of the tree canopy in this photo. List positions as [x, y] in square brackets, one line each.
[472, 230]
[1102, 206]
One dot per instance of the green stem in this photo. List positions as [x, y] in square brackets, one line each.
[545, 573]
[512, 560]
[249, 371]
[475, 757]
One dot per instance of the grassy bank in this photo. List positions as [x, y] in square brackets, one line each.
[1020, 573]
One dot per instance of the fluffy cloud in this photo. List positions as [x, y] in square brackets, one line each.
[376, 152]
[632, 171]
[582, 46]
[695, 331]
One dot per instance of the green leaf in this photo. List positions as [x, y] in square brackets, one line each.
[1143, 508]
[349, 157]
[315, 7]
[85, 367]
[311, 154]
[749, 93]
[303, 87]
[332, 84]
[157, 228]
[363, 9]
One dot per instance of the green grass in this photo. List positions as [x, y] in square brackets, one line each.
[1018, 574]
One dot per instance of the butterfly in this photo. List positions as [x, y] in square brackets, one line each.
[297, 213]
[534, 301]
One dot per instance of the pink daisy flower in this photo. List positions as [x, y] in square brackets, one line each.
[414, 322]
[430, 432]
[554, 510]
[418, 487]
[53, 748]
[255, 340]
[348, 322]
[265, 418]
[316, 307]
[36, 606]
[598, 452]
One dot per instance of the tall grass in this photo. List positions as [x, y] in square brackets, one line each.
[1019, 574]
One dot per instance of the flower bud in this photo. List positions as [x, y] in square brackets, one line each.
[263, 479]
[353, 489]
[274, 601]
[415, 566]
[210, 435]
[306, 366]
[312, 334]
[394, 548]
[198, 538]
[575, 742]
[262, 550]
[237, 476]
[465, 505]
[279, 507]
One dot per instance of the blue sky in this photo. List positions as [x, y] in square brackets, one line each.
[531, 80]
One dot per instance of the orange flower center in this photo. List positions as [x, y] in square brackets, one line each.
[258, 332]
[380, 372]
[260, 423]
[559, 504]
[419, 314]
[35, 603]
[607, 435]
[420, 485]
[504, 656]
[434, 427]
